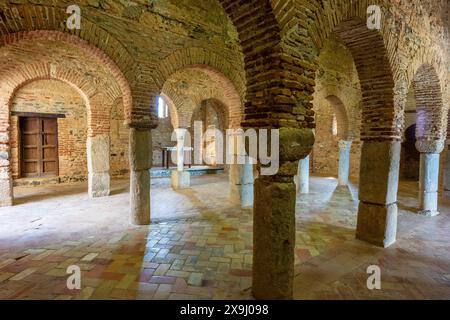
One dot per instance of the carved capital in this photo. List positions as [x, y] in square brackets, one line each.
[430, 146]
[345, 144]
[141, 124]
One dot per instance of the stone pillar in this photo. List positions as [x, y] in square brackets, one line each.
[428, 184]
[241, 183]
[302, 178]
[274, 219]
[140, 165]
[98, 166]
[181, 179]
[447, 172]
[377, 212]
[274, 238]
[344, 162]
[429, 175]
[6, 188]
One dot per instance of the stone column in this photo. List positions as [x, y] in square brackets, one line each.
[6, 188]
[344, 162]
[447, 172]
[429, 175]
[241, 183]
[98, 166]
[140, 165]
[274, 219]
[181, 179]
[302, 177]
[377, 212]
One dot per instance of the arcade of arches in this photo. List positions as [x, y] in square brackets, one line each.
[98, 139]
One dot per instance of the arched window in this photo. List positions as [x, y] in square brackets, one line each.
[334, 126]
[163, 108]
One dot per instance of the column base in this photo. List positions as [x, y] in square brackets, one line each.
[6, 202]
[428, 213]
[99, 184]
[242, 194]
[6, 197]
[377, 224]
[181, 179]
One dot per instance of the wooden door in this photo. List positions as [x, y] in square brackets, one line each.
[39, 146]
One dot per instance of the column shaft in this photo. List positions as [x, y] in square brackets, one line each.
[181, 179]
[428, 183]
[98, 166]
[377, 213]
[140, 164]
[241, 183]
[344, 162]
[303, 176]
[273, 238]
[6, 188]
[447, 172]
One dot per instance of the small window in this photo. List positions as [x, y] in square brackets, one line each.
[163, 108]
[334, 127]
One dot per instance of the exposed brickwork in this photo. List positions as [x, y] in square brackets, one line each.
[162, 138]
[337, 96]
[56, 97]
[188, 88]
[260, 53]
[119, 135]
[121, 88]
[51, 96]
[431, 115]
[390, 55]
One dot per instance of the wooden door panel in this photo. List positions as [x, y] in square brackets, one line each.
[29, 128]
[39, 146]
[49, 147]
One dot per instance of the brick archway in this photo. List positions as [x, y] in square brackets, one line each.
[183, 107]
[97, 105]
[174, 117]
[343, 126]
[431, 115]
[216, 68]
[58, 36]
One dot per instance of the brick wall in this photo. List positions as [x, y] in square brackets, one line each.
[337, 96]
[52, 96]
[162, 137]
[119, 136]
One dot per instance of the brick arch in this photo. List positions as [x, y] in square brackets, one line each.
[96, 101]
[431, 115]
[222, 112]
[174, 118]
[375, 66]
[204, 59]
[379, 115]
[85, 46]
[340, 112]
[434, 61]
[19, 77]
[215, 67]
[274, 95]
[55, 16]
[219, 108]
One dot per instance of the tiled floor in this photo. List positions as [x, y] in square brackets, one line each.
[200, 246]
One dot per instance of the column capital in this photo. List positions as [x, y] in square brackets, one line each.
[141, 124]
[345, 144]
[295, 143]
[430, 146]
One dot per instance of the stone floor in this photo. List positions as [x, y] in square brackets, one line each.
[200, 245]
